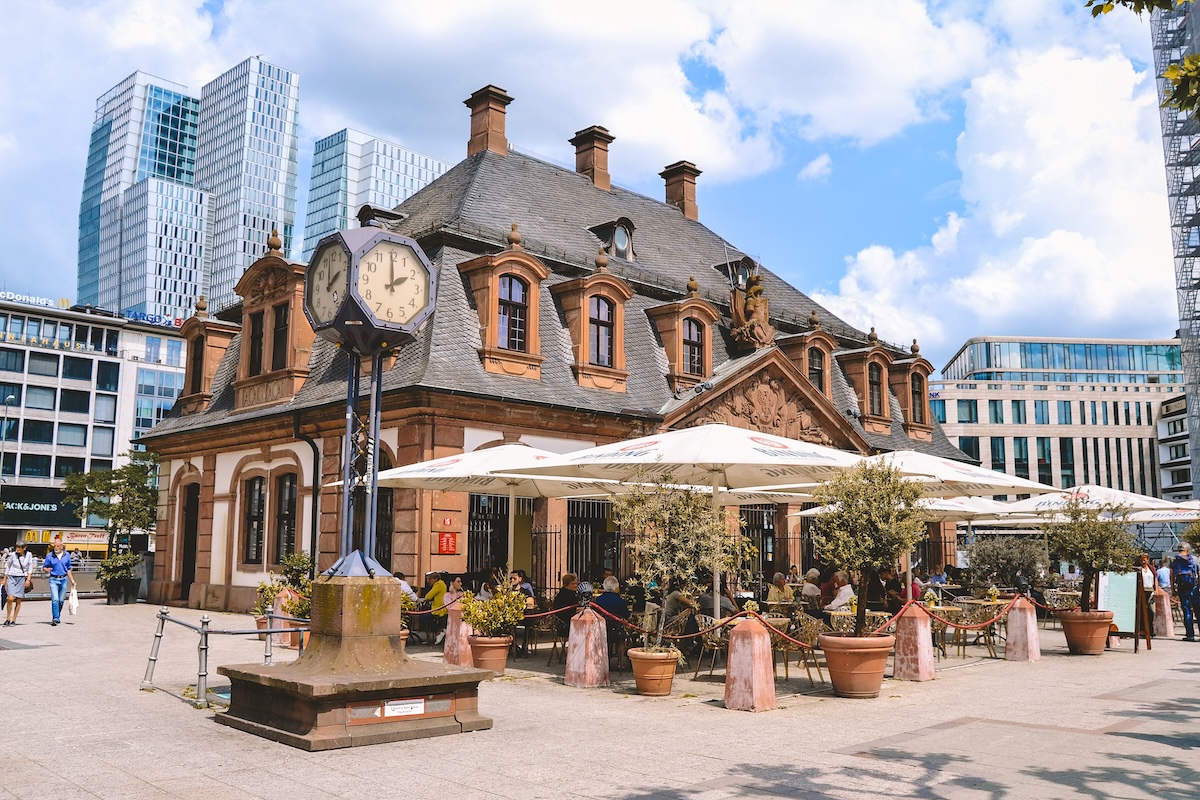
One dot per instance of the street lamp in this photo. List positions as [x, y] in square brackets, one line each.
[4, 437]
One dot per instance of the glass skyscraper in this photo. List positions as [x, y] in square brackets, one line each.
[351, 169]
[139, 183]
[247, 163]
[180, 194]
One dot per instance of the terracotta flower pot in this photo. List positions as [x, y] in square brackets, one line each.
[261, 624]
[1086, 631]
[490, 652]
[856, 663]
[653, 672]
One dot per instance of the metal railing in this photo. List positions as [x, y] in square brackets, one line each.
[204, 629]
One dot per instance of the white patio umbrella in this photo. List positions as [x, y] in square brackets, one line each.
[942, 509]
[1186, 511]
[719, 456]
[477, 470]
[1092, 496]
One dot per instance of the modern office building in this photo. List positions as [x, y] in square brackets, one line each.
[141, 219]
[1063, 412]
[246, 160]
[151, 237]
[1174, 453]
[351, 169]
[1176, 34]
[78, 387]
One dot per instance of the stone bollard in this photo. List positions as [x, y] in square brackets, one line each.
[457, 649]
[1022, 643]
[913, 660]
[1164, 617]
[587, 651]
[749, 671]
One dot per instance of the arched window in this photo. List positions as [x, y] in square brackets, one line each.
[875, 389]
[513, 313]
[285, 515]
[600, 331]
[255, 516]
[816, 368]
[918, 399]
[693, 346]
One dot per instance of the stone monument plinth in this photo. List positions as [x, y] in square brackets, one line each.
[354, 684]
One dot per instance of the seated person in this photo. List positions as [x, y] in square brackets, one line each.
[939, 578]
[811, 590]
[826, 584]
[793, 575]
[485, 591]
[893, 590]
[436, 599]
[876, 593]
[404, 586]
[705, 603]
[611, 601]
[843, 591]
[566, 599]
[677, 601]
[921, 579]
[520, 583]
[780, 592]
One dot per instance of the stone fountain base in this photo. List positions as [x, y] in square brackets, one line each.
[354, 684]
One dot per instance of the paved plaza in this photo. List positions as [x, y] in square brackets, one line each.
[1121, 725]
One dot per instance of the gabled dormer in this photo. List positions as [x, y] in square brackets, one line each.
[616, 238]
[909, 379]
[594, 307]
[812, 353]
[686, 328]
[505, 287]
[207, 340]
[867, 368]
[276, 339]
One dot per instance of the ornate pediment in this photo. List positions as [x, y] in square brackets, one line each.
[269, 284]
[770, 397]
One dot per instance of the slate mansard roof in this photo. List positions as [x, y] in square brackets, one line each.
[469, 211]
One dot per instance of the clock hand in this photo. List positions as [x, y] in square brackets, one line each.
[332, 281]
[397, 282]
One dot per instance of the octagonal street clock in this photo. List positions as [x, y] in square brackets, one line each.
[368, 289]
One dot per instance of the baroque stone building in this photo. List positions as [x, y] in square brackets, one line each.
[570, 312]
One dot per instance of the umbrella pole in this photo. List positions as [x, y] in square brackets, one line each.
[716, 582]
[512, 525]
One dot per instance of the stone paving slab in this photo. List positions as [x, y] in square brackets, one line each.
[1122, 725]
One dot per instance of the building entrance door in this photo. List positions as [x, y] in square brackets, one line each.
[191, 535]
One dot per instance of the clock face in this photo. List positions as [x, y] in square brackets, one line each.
[328, 277]
[393, 283]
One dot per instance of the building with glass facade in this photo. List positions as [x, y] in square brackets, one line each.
[81, 387]
[350, 169]
[1062, 412]
[141, 218]
[246, 161]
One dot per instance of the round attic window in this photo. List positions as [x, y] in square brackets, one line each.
[621, 242]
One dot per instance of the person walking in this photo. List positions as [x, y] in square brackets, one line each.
[18, 579]
[58, 566]
[1183, 578]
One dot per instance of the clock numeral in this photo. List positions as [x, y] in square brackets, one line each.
[371, 266]
[378, 306]
[367, 294]
[390, 314]
[412, 303]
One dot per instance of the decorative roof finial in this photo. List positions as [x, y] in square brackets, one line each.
[601, 261]
[514, 238]
[201, 307]
[873, 337]
[274, 243]
[693, 287]
[916, 348]
[814, 321]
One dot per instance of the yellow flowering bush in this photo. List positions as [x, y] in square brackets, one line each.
[499, 615]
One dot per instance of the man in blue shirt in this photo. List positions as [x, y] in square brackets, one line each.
[1184, 573]
[58, 566]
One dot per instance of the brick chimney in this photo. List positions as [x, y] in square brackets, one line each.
[681, 188]
[591, 155]
[487, 120]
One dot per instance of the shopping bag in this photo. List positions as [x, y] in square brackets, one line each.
[73, 601]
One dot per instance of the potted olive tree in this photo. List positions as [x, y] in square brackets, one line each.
[676, 532]
[871, 516]
[1098, 539]
[119, 579]
[1002, 559]
[493, 621]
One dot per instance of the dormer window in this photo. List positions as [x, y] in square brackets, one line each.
[875, 389]
[600, 331]
[918, 399]
[513, 313]
[816, 368]
[279, 341]
[256, 344]
[693, 347]
[621, 242]
[195, 365]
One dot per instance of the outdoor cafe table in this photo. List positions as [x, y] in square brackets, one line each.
[976, 611]
[843, 621]
[938, 628]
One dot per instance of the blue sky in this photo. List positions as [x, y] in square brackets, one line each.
[936, 169]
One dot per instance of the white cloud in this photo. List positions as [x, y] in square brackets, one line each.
[817, 169]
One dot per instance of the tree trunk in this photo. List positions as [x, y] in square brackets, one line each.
[860, 618]
[1085, 590]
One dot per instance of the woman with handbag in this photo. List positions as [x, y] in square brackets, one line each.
[18, 579]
